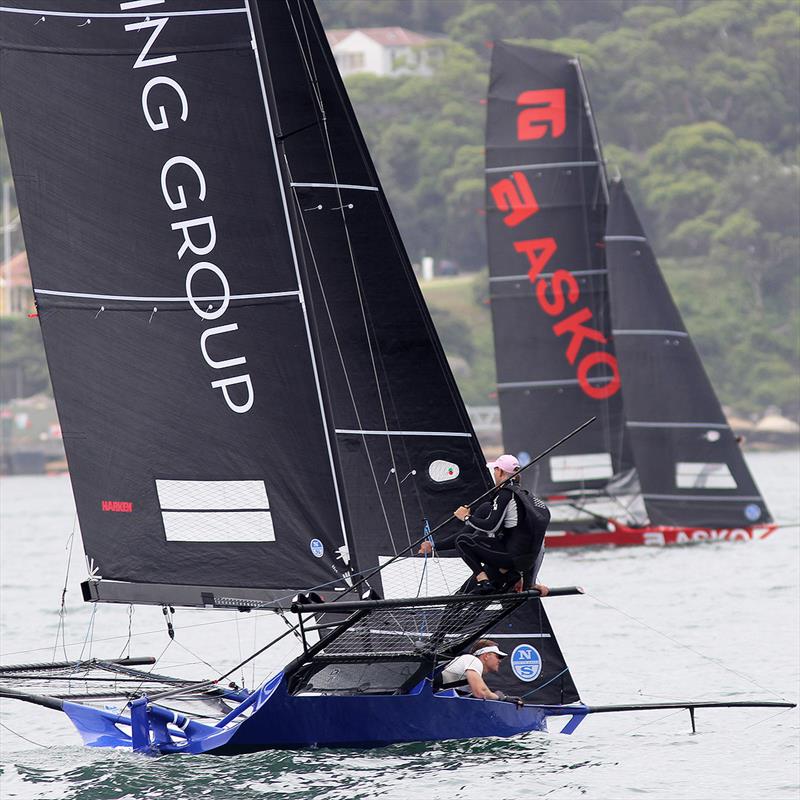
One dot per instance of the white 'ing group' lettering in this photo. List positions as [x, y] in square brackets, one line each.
[181, 175]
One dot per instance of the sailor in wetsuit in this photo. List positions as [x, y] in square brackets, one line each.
[498, 545]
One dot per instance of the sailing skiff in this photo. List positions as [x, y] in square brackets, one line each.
[584, 324]
[253, 399]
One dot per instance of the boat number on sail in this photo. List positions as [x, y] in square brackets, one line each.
[198, 234]
[526, 663]
[544, 114]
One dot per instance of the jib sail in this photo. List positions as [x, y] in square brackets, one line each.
[534, 668]
[251, 393]
[546, 212]
[403, 439]
[690, 466]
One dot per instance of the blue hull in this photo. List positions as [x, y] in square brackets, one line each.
[278, 720]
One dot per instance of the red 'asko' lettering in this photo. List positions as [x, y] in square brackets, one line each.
[515, 196]
[544, 114]
[555, 306]
[539, 252]
[602, 391]
[548, 114]
[573, 325]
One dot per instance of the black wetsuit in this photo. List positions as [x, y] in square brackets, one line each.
[484, 545]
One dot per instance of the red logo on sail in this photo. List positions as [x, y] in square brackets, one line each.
[515, 196]
[119, 506]
[546, 115]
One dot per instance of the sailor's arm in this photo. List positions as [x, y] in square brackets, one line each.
[497, 512]
[479, 688]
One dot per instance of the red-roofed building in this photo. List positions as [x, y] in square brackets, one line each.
[16, 294]
[383, 51]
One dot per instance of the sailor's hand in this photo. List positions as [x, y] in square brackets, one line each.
[461, 513]
[542, 589]
[426, 548]
[517, 701]
[518, 586]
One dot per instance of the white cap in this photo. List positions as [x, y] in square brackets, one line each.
[491, 649]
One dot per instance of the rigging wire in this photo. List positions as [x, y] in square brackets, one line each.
[653, 721]
[344, 367]
[38, 744]
[767, 719]
[62, 612]
[238, 639]
[691, 649]
[127, 645]
[277, 600]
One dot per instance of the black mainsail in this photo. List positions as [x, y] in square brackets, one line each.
[691, 468]
[252, 395]
[546, 212]
[593, 294]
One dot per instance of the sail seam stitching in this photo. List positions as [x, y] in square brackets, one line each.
[550, 165]
[565, 382]
[404, 433]
[701, 498]
[721, 425]
[647, 332]
[549, 274]
[123, 14]
[90, 296]
[338, 186]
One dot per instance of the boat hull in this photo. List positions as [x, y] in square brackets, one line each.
[280, 720]
[619, 535]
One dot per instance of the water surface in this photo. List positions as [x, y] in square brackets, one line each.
[713, 621]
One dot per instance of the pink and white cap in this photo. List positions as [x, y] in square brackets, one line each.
[506, 462]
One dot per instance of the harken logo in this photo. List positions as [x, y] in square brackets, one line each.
[118, 506]
[526, 663]
[317, 548]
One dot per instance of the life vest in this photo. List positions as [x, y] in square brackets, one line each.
[524, 541]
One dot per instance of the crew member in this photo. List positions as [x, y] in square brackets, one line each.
[468, 669]
[503, 539]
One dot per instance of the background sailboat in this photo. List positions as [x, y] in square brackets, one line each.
[584, 324]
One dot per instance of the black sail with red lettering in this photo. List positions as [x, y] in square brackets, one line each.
[546, 212]
[251, 392]
[690, 466]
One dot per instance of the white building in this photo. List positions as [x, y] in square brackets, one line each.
[383, 51]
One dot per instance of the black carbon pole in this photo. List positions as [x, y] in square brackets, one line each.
[470, 504]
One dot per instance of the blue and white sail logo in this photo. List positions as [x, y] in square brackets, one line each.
[317, 548]
[526, 663]
[752, 512]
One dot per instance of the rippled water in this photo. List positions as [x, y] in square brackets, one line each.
[714, 621]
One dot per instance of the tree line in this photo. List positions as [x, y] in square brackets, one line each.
[696, 104]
